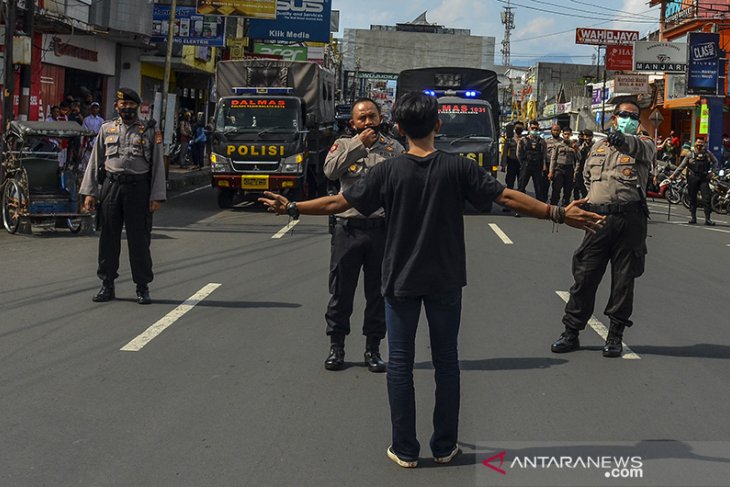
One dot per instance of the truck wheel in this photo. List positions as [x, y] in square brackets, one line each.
[225, 198]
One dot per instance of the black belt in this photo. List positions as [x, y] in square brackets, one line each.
[614, 208]
[122, 178]
[362, 223]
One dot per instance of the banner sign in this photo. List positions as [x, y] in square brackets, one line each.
[190, 27]
[676, 11]
[704, 119]
[296, 21]
[669, 57]
[288, 53]
[619, 58]
[631, 83]
[703, 63]
[603, 37]
[255, 9]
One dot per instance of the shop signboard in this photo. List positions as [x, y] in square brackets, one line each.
[255, 9]
[676, 11]
[704, 119]
[604, 37]
[668, 57]
[287, 53]
[191, 28]
[703, 63]
[631, 83]
[80, 52]
[619, 58]
[296, 21]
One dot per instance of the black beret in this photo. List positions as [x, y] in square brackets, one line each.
[128, 95]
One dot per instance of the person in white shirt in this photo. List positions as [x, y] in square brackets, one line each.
[93, 121]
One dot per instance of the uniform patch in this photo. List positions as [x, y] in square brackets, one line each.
[334, 147]
[382, 139]
[389, 148]
[627, 172]
[353, 168]
[601, 150]
[624, 159]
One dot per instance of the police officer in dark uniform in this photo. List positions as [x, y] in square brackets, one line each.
[358, 241]
[125, 182]
[700, 163]
[532, 153]
[586, 143]
[616, 174]
[510, 164]
[562, 168]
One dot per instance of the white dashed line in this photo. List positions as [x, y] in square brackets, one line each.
[283, 231]
[170, 318]
[187, 192]
[500, 233]
[601, 329]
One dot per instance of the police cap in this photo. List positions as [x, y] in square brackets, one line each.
[127, 94]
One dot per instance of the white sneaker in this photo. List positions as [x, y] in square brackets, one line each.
[401, 462]
[448, 457]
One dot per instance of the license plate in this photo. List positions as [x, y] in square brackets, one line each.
[255, 182]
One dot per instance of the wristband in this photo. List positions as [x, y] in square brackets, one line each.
[292, 210]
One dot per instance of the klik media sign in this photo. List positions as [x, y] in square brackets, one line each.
[604, 37]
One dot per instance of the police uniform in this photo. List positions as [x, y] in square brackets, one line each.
[510, 161]
[358, 241]
[125, 173]
[552, 143]
[616, 178]
[562, 165]
[579, 187]
[532, 153]
[699, 165]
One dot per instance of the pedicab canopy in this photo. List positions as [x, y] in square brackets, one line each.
[43, 129]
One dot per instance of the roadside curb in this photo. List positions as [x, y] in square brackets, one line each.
[179, 181]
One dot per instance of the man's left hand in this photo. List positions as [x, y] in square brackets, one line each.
[275, 203]
[154, 206]
[577, 217]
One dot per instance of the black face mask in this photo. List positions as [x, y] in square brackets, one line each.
[128, 114]
[518, 131]
[375, 128]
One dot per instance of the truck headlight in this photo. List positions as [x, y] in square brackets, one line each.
[219, 163]
[293, 164]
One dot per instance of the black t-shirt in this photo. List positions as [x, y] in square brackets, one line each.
[424, 200]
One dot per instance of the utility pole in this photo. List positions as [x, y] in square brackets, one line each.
[168, 67]
[9, 81]
[508, 20]
[26, 71]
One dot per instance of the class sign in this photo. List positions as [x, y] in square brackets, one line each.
[605, 37]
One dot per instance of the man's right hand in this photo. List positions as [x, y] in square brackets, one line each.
[368, 137]
[89, 204]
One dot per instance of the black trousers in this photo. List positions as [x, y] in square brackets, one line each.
[544, 187]
[353, 249]
[527, 172]
[622, 241]
[513, 172]
[125, 205]
[695, 184]
[579, 187]
[562, 181]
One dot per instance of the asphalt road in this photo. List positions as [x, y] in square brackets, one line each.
[233, 391]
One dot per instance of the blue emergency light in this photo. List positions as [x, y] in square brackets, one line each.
[247, 90]
[460, 93]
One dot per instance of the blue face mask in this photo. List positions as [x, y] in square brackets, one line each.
[627, 125]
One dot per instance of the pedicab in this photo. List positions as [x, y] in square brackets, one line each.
[40, 176]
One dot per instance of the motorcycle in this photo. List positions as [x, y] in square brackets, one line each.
[665, 188]
[721, 197]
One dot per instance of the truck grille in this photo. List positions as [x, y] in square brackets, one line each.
[255, 166]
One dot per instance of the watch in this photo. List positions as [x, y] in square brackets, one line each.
[292, 210]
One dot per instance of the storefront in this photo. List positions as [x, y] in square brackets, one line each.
[69, 69]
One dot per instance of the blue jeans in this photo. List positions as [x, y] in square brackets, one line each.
[443, 312]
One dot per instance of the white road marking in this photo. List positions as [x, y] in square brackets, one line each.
[500, 233]
[187, 192]
[171, 317]
[601, 329]
[283, 231]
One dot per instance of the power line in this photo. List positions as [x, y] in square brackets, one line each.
[581, 16]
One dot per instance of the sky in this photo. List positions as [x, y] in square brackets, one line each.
[538, 23]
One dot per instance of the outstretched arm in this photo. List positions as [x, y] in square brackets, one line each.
[574, 215]
[327, 205]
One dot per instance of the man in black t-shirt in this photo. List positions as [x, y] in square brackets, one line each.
[423, 193]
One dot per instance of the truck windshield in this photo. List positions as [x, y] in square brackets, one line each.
[458, 120]
[256, 114]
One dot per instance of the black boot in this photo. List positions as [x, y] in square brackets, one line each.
[708, 221]
[372, 356]
[613, 346]
[693, 217]
[106, 293]
[566, 342]
[336, 358]
[143, 295]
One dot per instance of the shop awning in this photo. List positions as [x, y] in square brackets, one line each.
[686, 102]
[177, 64]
